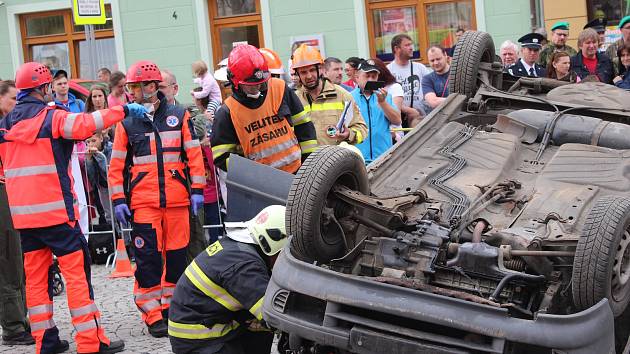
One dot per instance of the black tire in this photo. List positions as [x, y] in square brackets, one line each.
[310, 193]
[471, 49]
[601, 267]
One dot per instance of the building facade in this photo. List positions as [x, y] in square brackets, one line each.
[174, 33]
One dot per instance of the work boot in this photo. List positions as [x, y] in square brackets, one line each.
[61, 346]
[22, 338]
[158, 329]
[113, 347]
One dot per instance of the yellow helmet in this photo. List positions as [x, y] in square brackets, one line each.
[268, 230]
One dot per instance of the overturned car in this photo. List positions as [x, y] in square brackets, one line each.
[501, 224]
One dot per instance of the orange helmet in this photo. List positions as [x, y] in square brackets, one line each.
[305, 56]
[273, 61]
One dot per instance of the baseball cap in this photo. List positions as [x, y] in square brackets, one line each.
[368, 66]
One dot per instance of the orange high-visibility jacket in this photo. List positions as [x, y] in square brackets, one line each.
[265, 137]
[157, 155]
[36, 144]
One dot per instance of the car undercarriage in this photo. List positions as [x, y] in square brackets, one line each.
[500, 224]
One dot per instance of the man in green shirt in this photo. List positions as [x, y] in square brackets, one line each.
[559, 36]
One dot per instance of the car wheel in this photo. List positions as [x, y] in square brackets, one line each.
[312, 210]
[601, 267]
[471, 49]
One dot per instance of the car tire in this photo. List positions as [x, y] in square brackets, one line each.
[601, 266]
[311, 193]
[471, 49]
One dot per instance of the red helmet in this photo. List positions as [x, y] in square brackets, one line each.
[142, 71]
[247, 66]
[31, 75]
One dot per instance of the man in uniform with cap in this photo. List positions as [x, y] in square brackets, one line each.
[530, 51]
[611, 51]
[599, 25]
[559, 35]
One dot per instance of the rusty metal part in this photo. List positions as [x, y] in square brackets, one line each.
[521, 253]
[517, 264]
[372, 224]
[439, 291]
[383, 206]
[479, 227]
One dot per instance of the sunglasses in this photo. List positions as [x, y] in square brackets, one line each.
[134, 86]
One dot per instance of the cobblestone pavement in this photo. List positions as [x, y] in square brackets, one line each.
[119, 316]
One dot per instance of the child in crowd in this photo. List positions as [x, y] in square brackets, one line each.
[201, 121]
[209, 86]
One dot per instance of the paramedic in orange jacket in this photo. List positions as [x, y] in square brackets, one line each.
[263, 120]
[157, 167]
[36, 141]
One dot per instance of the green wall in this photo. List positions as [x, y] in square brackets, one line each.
[163, 31]
[6, 64]
[507, 19]
[332, 18]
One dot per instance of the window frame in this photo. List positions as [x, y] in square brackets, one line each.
[218, 23]
[421, 20]
[70, 37]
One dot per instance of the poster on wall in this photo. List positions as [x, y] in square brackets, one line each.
[613, 34]
[313, 40]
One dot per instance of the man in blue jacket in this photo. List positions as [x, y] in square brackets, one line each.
[377, 109]
[63, 97]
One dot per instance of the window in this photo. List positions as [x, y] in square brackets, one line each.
[612, 10]
[233, 22]
[427, 22]
[52, 38]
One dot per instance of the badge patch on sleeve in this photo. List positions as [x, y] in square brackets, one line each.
[214, 248]
[138, 241]
[172, 121]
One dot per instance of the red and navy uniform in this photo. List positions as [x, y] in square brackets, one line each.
[155, 166]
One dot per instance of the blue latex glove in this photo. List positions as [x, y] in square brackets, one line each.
[122, 213]
[136, 110]
[196, 202]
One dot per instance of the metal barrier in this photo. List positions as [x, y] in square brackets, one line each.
[126, 231]
[112, 221]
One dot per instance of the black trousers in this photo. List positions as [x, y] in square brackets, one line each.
[245, 343]
[12, 294]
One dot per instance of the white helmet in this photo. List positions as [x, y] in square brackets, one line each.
[221, 73]
[267, 230]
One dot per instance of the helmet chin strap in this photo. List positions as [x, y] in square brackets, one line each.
[147, 96]
[254, 96]
[316, 82]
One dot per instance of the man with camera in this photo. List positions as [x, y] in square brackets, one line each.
[378, 111]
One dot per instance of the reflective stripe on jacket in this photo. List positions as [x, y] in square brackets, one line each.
[35, 148]
[265, 137]
[220, 294]
[326, 110]
[159, 154]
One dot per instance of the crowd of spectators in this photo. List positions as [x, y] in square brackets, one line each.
[592, 61]
[408, 90]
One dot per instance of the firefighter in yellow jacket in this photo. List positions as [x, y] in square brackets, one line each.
[263, 119]
[325, 103]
